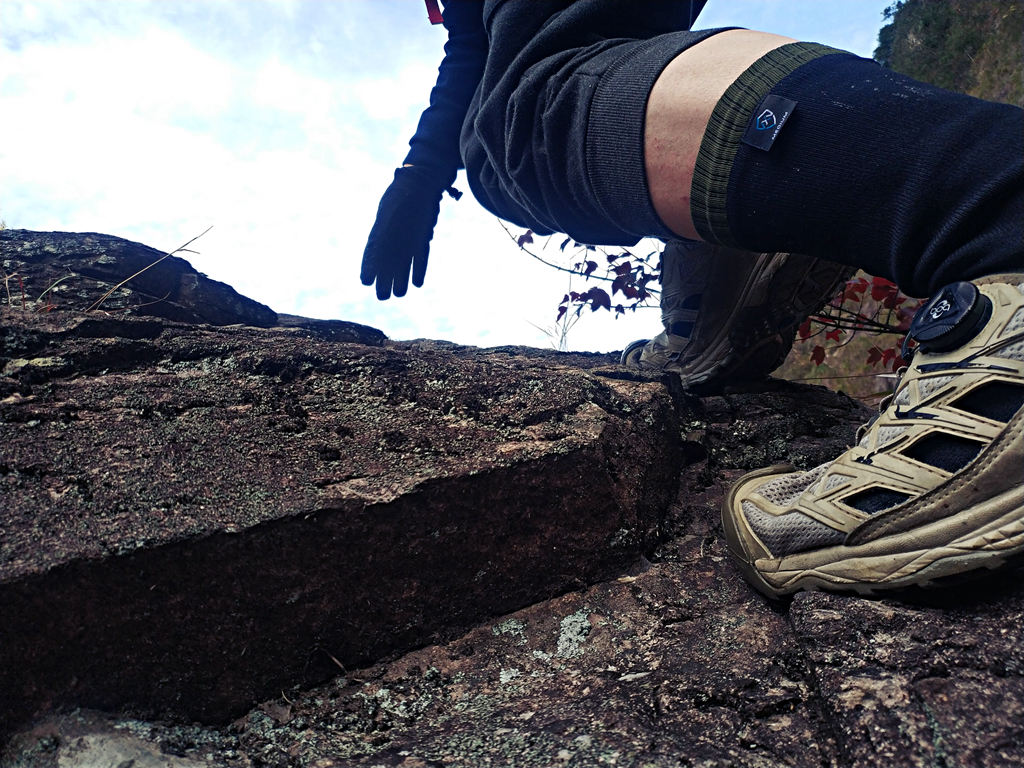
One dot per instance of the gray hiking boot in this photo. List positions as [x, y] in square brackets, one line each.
[731, 314]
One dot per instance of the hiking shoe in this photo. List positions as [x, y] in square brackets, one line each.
[731, 314]
[935, 487]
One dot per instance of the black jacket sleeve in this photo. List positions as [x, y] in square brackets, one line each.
[436, 142]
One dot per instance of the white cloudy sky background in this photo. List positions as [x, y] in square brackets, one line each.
[279, 122]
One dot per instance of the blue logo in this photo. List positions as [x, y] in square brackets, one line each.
[766, 120]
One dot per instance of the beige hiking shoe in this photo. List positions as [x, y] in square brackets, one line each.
[935, 487]
[729, 314]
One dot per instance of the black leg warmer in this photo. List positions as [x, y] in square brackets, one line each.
[824, 153]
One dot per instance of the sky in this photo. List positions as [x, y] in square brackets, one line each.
[278, 123]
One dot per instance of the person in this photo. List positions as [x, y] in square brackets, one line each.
[611, 121]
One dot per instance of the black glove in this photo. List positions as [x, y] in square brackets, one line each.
[400, 238]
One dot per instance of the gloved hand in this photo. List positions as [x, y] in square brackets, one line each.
[400, 238]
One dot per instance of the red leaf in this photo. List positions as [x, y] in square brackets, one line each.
[598, 299]
[624, 269]
[561, 312]
[854, 288]
[882, 289]
[525, 238]
[905, 316]
[893, 300]
[852, 294]
[874, 356]
[818, 355]
[591, 266]
[805, 329]
[834, 334]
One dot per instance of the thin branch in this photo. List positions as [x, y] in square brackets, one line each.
[7, 286]
[181, 249]
[853, 322]
[54, 284]
[547, 263]
[151, 303]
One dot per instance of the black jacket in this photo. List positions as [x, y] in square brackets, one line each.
[476, 25]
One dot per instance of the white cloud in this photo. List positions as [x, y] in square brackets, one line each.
[279, 123]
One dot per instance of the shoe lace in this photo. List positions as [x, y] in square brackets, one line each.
[885, 402]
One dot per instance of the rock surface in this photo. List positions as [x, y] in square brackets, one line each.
[237, 509]
[593, 482]
[44, 271]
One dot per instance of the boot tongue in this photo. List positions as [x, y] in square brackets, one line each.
[681, 328]
[952, 318]
[688, 306]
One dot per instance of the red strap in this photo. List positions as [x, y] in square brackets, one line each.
[433, 12]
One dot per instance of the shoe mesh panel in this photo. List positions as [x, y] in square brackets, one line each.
[997, 400]
[903, 398]
[1013, 352]
[831, 481]
[784, 490]
[928, 387]
[887, 434]
[945, 451]
[791, 532]
[875, 500]
[1016, 322]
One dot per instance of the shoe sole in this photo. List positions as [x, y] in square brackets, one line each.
[630, 356]
[982, 536]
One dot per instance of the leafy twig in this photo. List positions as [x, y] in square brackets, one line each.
[521, 243]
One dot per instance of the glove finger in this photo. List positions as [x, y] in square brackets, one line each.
[419, 266]
[368, 269]
[403, 263]
[384, 279]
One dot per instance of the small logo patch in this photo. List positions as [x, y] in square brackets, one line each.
[769, 118]
[940, 309]
[766, 120]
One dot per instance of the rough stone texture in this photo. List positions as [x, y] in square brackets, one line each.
[297, 499]
[674, 663]
[196, 517]
[43, 271]
[48, 271]
[932, 681]
[670, 660]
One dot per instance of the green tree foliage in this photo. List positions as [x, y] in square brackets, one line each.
[970, 46]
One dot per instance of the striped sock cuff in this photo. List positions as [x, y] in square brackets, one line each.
[728, 122]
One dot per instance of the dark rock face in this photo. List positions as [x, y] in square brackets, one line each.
[70, 270]
[63, 271]
[295, 499]
[197, 519]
